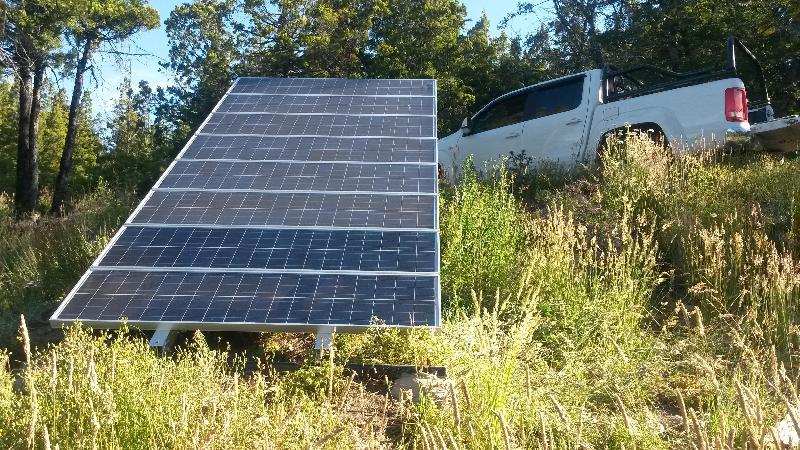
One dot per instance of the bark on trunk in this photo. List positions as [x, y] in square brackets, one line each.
[595, 50]
[65, 168]
[594, 45]
[36, 108]
[27, 185]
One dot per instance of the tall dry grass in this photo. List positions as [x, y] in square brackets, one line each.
[113, 391]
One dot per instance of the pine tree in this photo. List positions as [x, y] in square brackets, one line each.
[130, 161]
[96, 23]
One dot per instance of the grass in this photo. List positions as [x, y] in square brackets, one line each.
[652, 304]
[112, 391]
[41, 259]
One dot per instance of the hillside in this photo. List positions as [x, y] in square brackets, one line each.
[650, 304]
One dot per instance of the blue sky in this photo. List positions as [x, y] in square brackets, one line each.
[110, 72]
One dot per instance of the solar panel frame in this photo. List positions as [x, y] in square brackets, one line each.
[56, 320]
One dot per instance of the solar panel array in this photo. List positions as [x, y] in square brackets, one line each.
[298, 204]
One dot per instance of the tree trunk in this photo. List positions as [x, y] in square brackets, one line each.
[27, 185]
[595, 51]
[65, 168]
[36, 108]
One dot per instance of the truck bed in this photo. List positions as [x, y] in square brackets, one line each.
[646, 79]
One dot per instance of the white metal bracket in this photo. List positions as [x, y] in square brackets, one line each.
[324, 338]
[162, 338]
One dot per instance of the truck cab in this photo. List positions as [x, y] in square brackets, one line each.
[547, 121]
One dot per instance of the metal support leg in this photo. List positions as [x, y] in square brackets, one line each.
[324, 338]
[162, 338]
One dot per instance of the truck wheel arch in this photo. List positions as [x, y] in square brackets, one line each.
[653, 129]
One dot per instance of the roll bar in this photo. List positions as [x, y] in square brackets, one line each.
[735, 44]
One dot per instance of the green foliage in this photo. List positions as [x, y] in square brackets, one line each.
[8, 136]
[537, 182]
[111, 20]
[53, 129]
[483, 232]
[636, 172]
[416, 346]
[274, 37]
[409, 37]
[714, 190]
[337, 37]
[725, 227]
[40, 262]
[35, 28]
[131, 162]
[201, 55]
[53, 132]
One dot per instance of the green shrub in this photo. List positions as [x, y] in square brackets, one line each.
[636, 174]
[535, 182]
[483, 233]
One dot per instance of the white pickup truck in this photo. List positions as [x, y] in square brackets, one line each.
[566, 120]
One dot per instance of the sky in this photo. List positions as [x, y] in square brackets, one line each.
[110, 72]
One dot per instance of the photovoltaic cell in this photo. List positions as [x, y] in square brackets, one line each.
[371, 150]
[274, 249]
[299, 203]
[346, 105]
[286, 176]
[334, 86]
[288, 209]
[288, 298]
[320, 125]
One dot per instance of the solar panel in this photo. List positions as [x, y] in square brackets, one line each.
[282, 209]
[342, 104]
[290, 125]
[200, 299]
[294, 176]
[299, 204]
[312, 149]
[334, 86]
[280, 249]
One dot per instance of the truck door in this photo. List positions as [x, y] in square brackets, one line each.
[495, 131]
[558, 116]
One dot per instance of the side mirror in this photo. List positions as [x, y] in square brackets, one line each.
[465, 126]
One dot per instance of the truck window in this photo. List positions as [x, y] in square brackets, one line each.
[560, 97]
[503, 113]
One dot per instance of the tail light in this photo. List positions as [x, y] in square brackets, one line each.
[736, 105]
